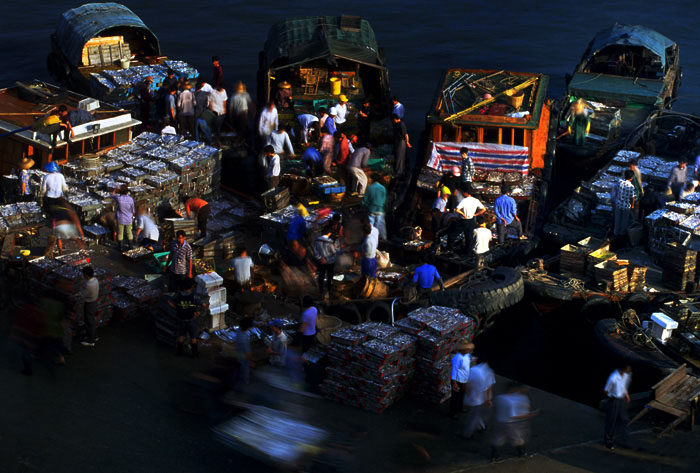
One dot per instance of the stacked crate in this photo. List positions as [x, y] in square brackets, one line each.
[211, 292]
[370, 366]
[614, 274]
[637, 277]
[171, 226]
[439, 330]
[573, 260]
[596, 257]
[678, 266]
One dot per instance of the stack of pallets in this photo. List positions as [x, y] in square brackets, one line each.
[573, 260]
[678, 266]
[637, 277]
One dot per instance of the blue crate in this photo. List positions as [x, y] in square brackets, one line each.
[327, 190]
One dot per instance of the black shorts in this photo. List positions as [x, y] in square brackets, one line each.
[185, 327]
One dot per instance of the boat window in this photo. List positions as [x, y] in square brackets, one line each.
[518, 137]
[106, 140]
[491, 135]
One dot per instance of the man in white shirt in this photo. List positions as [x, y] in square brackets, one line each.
[341, 112]
[185, 111]
[459, 376]
[217, 104]
[478, 398]
[242, 268]
[147, 232]
[53, 185]
[469, 207]
[268, 121]
[616, 388]
[280, 141]
[512, 413]
[89, 295]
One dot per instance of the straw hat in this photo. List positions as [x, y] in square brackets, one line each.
[342, 98]
[27, 163]
[285, 85]
[465, 346]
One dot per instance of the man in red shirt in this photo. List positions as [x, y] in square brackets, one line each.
[198, 209]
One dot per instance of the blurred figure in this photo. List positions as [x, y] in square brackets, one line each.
[478, 398]
[401, 143]
[268, 123]
[147, 233]
[325, 250]
[278, 348]
[459, 375]
[198, 209]
[89, 293]
[326, 147]
[217, 104]
[363, 121]
[308, 324]
[218, 72]
[187, 311]
[242, 269]
[239, 108]
[279, 140]
[368, 251]
[307, 122]
[65, 226]
[125, 216]
[185, 109]
[146, 99]
[513, 412]
[688, 189]
[579, 123]
[53, 185]
[616, 388]
[243, 349]
[273, 167]
[374, 201]
[26, 188]
[313, 161]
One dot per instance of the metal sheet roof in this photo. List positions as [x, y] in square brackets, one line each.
[631, 35]
[303, 39]
[77, 26]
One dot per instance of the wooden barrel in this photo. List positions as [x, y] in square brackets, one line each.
[368, 288]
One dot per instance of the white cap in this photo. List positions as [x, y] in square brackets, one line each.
[332, 111]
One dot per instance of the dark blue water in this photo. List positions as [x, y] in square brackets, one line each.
[420, 38]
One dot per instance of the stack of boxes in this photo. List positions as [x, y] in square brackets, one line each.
[210, 291]
[439, 330]
[678, 266]
[371, 365]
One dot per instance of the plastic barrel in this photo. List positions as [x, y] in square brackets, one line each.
[335, 86]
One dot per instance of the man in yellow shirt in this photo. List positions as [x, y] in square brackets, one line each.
[54, 123]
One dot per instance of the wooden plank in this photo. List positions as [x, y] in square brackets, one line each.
[668, 409]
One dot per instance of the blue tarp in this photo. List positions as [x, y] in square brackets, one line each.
[77, 26]
[631, 35]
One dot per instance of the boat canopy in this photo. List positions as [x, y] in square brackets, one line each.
[299, 40]
[607, 87]
[77, 26]
[630, 35]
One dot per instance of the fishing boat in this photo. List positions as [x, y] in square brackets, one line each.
[502, 117]
[319, 58]
[22, 105]
[105, 50]
[626, 73]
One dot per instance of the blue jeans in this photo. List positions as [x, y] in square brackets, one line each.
[377, 220]
[202, 124]
[369, 267]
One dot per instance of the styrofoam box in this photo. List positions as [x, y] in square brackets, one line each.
[89, 104]
[209, 280]
[217, 296]
[219, 309]
[664, 321]
[217, 321]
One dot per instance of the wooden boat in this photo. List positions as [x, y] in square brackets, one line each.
[626, 72]
[22, 105]
[104, 50]
[503, 118]
[646, 359]
[312, 53]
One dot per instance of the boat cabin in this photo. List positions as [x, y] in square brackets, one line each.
[318, 58]
[502, 117]
[628, 65]
[23, 105]
[106, 51]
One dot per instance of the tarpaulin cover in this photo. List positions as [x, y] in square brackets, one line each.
[487, 156]
[631, 35]
[608, 87]
[303, 39]
[79, 25]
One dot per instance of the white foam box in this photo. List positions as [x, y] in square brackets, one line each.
[215, 296]
[219, 309]
[663, 326]
[218, 321]
[209, 280]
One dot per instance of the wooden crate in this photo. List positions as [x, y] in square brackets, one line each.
[614, 272]
[93, 47]
[572, 259]
[596, 257]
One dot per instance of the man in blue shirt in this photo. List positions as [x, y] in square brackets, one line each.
[506, 212]
[297, 227]
[313, 161]
[424, 277]
[397, 107]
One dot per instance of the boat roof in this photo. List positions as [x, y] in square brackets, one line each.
[460, 96]
[17, 112]
[78, 25]
[303, 39]
[610, 87]
[630, 35]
